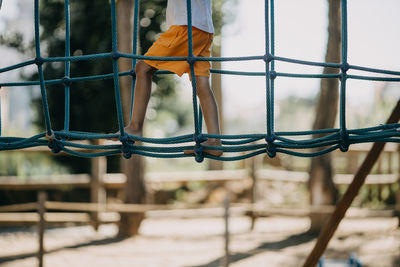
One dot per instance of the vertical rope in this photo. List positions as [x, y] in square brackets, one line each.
[200, 119]
[191, 62]
[267, 71]
[67, 67]
[134, 51]
[0, 105]
[115, 56]
[39, 62]
[272, 77]
[344, 68]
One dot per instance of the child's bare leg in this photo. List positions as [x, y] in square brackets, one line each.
[144, 75]
[210, 112]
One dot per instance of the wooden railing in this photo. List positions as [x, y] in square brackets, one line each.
[99, 182]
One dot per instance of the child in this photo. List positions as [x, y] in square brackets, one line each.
[174, 43]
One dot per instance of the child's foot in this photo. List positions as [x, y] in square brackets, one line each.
[127, 130]
[209, 142]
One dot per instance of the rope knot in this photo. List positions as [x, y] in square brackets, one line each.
[345, 67]
[198, 152]
[271, 147]
[199, 138]
[344, 141]
[272, 74]
[124, 138]
[191, 60]
[54, 144]
[39, 61]
[268, 58]
[271, 150]
[66, 81]
[126, 146]
[132, 73]
[115, 55]
[127, 154]
[270, 138]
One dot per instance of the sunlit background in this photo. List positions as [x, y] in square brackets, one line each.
[300, 33]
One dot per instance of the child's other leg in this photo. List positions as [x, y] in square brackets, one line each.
[144, 75]
[210, 112]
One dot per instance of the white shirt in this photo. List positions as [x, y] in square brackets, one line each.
[201, 14]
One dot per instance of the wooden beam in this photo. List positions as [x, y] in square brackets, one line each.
[302, 177]
[97, 188]
[19, 207]
[227, 202]
[44, 182]
[42, 196]
[209, 176]
[32, 218]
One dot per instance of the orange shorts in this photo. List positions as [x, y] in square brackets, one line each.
[174, 43]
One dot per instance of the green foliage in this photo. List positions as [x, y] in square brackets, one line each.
[22, 165]
[91, 108]
[13, 40]
[92, 103]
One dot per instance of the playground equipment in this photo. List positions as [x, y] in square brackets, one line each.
[270, 142]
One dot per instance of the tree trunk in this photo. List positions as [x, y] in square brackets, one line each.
[218, 20]
[322, 188]
[133, 168]
[217, 89]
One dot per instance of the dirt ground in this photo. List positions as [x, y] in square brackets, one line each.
[275, 241]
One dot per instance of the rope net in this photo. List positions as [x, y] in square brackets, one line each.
[235, 147]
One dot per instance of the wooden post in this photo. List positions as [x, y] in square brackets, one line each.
[397, 204]
[390, 163]
[227, 203]
[42, 197]
[379, 166]
[351, 192]
[217, 90]
[253, 168]
[97, 188]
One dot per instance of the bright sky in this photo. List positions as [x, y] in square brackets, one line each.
[301, 33]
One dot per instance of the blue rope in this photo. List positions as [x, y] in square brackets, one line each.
[235, 147]
[0, 113]
[134, 51]
[344, 144]
[39, 62]
[66, 79]
[115, 57]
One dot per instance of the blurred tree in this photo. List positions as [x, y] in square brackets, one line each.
[322, 189]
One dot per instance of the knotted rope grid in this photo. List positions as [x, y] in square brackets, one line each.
[248, 145]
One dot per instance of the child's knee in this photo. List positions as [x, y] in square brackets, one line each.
[142, 69]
